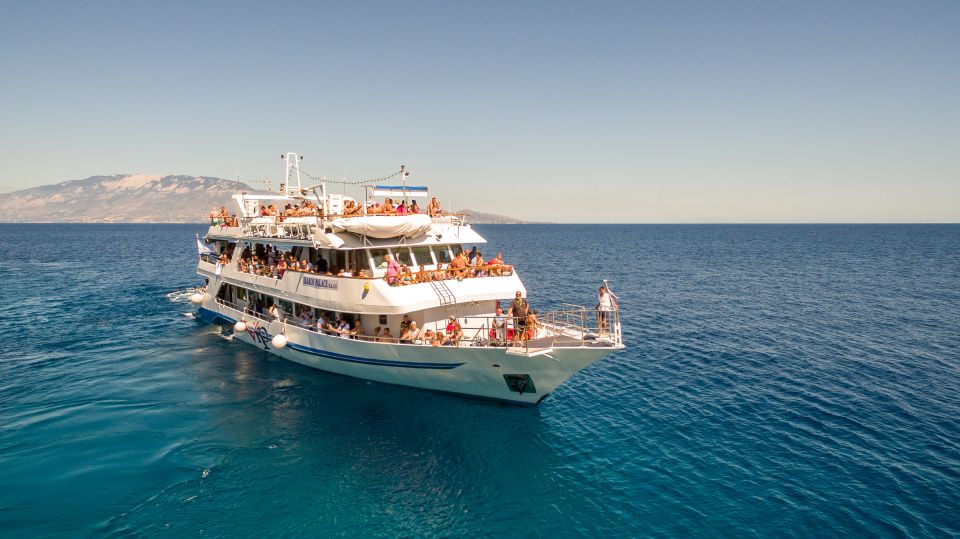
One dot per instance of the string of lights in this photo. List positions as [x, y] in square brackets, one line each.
[354, 182]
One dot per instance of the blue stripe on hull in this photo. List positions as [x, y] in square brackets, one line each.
[370, 361]
[213, 317]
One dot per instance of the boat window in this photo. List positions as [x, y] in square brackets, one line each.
[422, 254]
[241, 293]
[443, 254]
[403, 255]
[378, 258]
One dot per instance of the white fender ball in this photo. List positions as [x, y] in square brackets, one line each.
[279, 341]
[240, 326]
[196, 298]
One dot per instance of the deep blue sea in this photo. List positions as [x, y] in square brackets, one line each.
[778, 381]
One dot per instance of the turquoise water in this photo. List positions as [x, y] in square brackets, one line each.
[779, 381]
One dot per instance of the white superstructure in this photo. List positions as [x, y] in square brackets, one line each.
[346, 308]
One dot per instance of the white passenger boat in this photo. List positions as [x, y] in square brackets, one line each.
[348, 309]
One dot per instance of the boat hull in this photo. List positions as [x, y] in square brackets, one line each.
[477, 371]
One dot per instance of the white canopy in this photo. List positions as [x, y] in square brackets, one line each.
[384, 226]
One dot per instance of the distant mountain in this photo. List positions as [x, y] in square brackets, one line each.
[141, 198]
[131, 198]
[480, 218]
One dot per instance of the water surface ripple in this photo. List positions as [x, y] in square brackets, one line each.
[779, 381]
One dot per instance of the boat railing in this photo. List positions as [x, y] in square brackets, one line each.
[247, 311]
[305, 226]
[571, 326]
[281, 227]
[437, 275]
[210, 258]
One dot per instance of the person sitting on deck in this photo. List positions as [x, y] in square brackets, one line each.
[494, 265]
[357, 330]
[343, 328]
[499, 327]
[423, 275]
[459, 266]
[439, 339]
[351, 208]
[405, 276]
[277, 313]
[434, 208]
[428, 336]
[376, 334]
[406, 336]
[414, 332]
[454, 330]
[413, 207]
[387, 337]
[401, 208]
[388, 208]
[478, 266]
[330, 328]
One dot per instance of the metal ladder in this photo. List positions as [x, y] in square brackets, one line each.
[447, 299]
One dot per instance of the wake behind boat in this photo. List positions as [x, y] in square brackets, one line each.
[382, 289]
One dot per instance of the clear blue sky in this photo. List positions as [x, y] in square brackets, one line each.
[589, 111]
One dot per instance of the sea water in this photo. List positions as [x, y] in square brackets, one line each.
[777, 381]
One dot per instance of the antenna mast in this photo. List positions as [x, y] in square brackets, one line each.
[291, 170]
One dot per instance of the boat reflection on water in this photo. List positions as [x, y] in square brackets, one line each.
[272, 419]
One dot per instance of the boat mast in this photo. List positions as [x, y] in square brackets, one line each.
[291, 169]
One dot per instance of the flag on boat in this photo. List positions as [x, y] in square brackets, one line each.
[202, 248]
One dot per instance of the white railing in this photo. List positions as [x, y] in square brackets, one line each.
[569, 327]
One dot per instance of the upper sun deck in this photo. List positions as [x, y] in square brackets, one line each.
[345, 231]
[387, 215]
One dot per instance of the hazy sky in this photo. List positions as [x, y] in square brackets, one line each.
[670, 111]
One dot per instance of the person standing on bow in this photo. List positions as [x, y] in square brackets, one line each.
[519, 308]
[605, 305]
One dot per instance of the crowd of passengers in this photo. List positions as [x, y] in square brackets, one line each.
[222, 218]
[274, 263]
[391, 207]
[510, 327]
[310, 209]
[461, 267]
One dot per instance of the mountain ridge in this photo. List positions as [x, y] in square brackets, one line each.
[140, 198]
